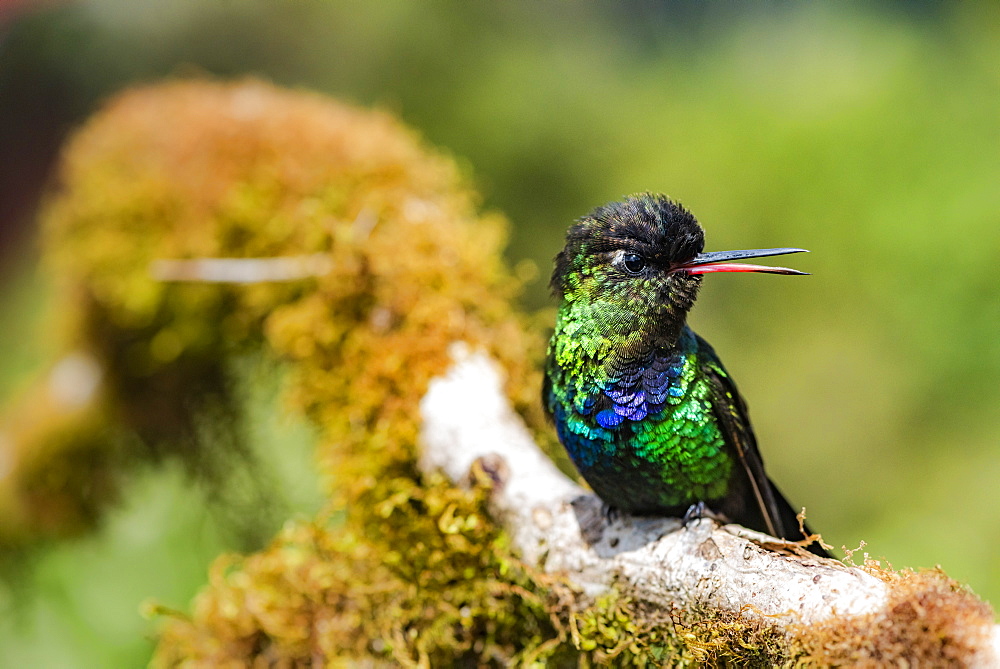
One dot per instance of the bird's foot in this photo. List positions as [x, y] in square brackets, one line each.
[610, 513]
[696, 511]
[700, 510]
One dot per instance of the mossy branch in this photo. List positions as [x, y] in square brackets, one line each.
[469, 429]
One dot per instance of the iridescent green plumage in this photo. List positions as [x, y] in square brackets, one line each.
[642, 404]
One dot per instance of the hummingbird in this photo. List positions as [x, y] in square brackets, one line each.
[644, 407]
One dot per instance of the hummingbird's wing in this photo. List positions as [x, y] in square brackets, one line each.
[768, 510]
[733, 416]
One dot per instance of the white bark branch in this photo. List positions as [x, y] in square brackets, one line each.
[560, 527]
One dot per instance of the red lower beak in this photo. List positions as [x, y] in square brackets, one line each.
[704, 263]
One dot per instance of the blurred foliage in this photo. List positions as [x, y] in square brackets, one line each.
[867, 135]
[77, 604]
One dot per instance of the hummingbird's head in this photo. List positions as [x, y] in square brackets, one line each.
[626, 253]
[641, 259]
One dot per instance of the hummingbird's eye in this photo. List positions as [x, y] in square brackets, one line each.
[633, 263]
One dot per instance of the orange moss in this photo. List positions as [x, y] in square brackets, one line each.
[200, 169]
[930, 620]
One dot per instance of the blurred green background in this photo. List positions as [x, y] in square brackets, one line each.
[870, 136]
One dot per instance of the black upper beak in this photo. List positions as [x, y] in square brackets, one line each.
[718, 261]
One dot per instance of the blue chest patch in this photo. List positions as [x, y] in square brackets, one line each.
[640, 387]
[596, 420]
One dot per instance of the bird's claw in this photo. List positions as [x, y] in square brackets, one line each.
[610, 513]
[696, 511]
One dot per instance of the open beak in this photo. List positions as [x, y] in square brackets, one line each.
[703, 263]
